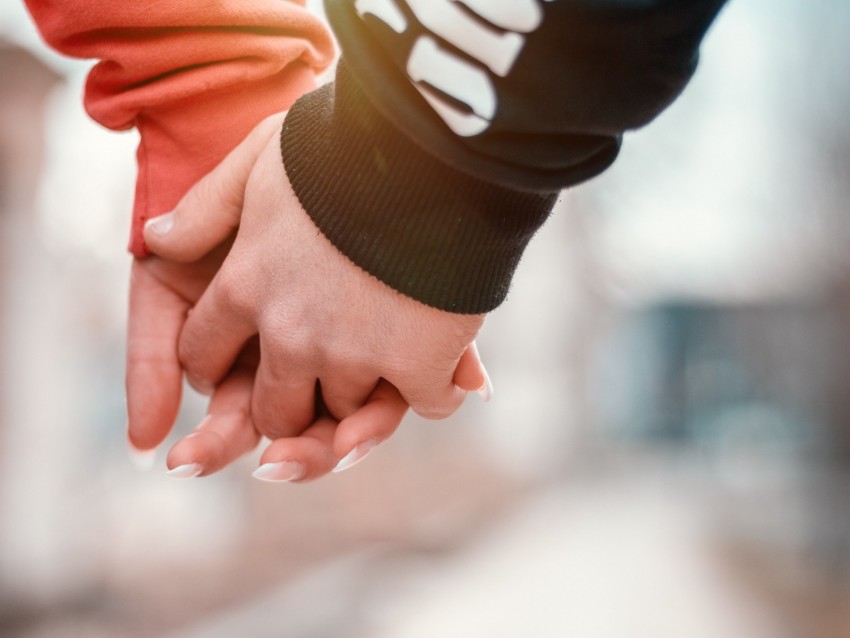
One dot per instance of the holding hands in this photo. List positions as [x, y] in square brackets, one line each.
[450, 133]
[292, 340]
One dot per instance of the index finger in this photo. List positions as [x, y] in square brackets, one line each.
[153, 376]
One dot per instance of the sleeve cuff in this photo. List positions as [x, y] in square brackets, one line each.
[440, 236]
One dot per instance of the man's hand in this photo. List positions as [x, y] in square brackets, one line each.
[162, 294]
[328, 331]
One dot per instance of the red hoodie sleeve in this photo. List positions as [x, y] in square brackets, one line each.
[193, 76]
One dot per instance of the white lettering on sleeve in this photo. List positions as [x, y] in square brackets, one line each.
[498, 50]
[463, 124]
[523, 16]
[495, 48]
[455, 77]
[385, 10]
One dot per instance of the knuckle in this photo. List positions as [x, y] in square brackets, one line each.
[274, 425]
[187, 352]
[205, 192]
[287, 337]
[279, 340]
[432, 403]
[433, 412]
[233, 286]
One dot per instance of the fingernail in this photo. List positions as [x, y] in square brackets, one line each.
[356, 455]
[280, 472]
[141, 459]
[160, 225]
[486, 390]
[199, 385]
[190, 470]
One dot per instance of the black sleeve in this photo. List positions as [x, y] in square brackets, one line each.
[452, 126]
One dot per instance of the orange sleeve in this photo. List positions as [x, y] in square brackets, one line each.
[193, 76]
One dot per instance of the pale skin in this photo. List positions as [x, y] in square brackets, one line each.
[283, 314]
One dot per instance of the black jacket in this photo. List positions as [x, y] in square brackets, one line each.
[452, 126]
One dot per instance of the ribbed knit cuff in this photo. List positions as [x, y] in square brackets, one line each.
[442, 237]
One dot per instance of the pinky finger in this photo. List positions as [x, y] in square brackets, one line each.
[375, 422]
[224, 435]
[317, 451]
[305, 457]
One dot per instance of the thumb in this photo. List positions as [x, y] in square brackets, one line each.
[210, 211]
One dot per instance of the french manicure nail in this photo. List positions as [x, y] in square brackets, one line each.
[141, 459]
[187, 471]
[280, 472]
[161, 225]
[486, 389]
[356, 455]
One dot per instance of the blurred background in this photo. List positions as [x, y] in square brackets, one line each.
[667, 452]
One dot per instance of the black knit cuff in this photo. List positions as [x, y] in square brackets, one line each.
[442, 237]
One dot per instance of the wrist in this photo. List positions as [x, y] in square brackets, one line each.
[445, 238]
